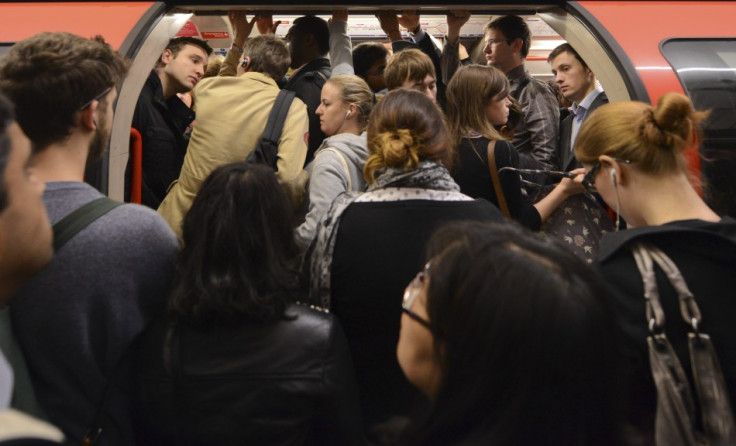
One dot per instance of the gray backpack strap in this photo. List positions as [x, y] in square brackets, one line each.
[266, 152]
[675, 418]
[80, 218]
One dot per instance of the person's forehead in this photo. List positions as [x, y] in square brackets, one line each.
[190, 48]
[494, 33]
[564, 57]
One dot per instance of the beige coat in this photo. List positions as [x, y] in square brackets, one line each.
[231, 116]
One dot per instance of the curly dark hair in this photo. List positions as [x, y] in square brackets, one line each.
[238, 262]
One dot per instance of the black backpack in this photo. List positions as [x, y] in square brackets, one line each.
[266, 152]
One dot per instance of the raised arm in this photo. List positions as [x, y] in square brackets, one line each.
[341, 47]
[450, 60]
[241, 30]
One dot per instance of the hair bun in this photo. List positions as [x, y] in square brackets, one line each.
[399, 148]
[670, 124]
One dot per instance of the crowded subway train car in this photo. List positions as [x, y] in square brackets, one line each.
[638, 51]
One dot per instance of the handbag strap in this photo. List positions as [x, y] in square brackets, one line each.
[80, 218]
[716, 412]
[496, 180]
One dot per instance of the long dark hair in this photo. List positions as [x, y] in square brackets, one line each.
[524, 340]
[238, 260]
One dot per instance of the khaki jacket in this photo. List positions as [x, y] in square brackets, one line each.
[231, 115]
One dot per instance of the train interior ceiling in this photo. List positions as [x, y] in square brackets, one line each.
[363, 26]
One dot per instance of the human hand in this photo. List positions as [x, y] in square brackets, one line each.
[456, 18]
[241, 26]
[409, 20]
[266, 25]
[339, 15]
[389, 23]
[572, 186]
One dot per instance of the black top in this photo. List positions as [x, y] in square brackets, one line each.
[287, 383]
[705, 253]
[162, 125]
[378, 250]
[474, 177]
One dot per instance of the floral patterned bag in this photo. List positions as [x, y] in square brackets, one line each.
[579, 222]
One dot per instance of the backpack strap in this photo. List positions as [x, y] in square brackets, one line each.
[344, 163]
[266, 152]
[80, 218]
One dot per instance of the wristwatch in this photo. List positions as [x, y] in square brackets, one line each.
[237, 49]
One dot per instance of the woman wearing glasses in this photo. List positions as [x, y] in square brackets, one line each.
[507, 334]
[369, 247]
[477, 103]
[633, 153]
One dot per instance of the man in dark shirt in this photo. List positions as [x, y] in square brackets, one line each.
[162, 118]
[309, 43]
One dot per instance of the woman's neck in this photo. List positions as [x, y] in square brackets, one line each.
[667, 198]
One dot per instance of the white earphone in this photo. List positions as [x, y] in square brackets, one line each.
[347, 115]
[613, 177]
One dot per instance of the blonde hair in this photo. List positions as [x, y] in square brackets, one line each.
[470, 90]
[409, 64]
[652, 137]
[406, 127]
[354, 90]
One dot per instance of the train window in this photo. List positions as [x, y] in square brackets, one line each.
[706, 69]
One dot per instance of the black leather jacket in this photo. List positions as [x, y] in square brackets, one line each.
[288, 383]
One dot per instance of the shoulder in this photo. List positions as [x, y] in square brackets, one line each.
[137, 226]
[695, 235]
[536, 87]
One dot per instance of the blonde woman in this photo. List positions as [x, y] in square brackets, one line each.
[633, 154]
[343, 111]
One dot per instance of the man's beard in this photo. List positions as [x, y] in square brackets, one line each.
[98, 144]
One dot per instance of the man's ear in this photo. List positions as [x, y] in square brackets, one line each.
[166, 56]
[516, 45]
[309, 40]
[88, 116]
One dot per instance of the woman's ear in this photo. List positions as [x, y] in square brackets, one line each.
[617, 174]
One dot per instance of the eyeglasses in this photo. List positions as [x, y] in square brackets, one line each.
[589, 178]
[412, 292]
[96, 98]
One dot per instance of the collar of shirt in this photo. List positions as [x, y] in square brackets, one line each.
[585, 103]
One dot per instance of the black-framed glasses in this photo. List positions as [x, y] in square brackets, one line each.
[589, 178]
[96, 98]
[412, 292]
